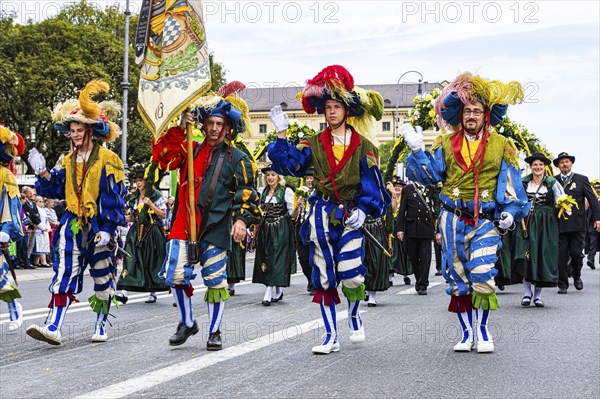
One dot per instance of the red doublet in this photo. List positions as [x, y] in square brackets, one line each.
[201, 162]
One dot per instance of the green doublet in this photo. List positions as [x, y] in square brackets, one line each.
[460, 184]
[348, 179]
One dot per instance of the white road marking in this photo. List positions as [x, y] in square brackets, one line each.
[413, 291]
[169, 373]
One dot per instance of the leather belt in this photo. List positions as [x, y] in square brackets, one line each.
[464, 214]
[349, 204]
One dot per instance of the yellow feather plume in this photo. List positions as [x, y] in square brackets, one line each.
[90, 108]
[240, 104]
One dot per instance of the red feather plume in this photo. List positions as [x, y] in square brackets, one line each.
[231, 88]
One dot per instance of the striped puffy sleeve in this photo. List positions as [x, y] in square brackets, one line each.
[289, 160]
[510, 194]
[373, 198]
[111, 204]
[54, 187]
[246, 199]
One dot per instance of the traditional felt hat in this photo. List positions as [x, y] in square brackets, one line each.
[537, 156]
[310, 171]
[561, 156]
[266, 169]
[336, 83]
[86, 110]
[466, 88]
[226, 104]
[11, 144]
[398, 180]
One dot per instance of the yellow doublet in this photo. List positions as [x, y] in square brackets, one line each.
[7, 180]
[99, 159]
[464, 151]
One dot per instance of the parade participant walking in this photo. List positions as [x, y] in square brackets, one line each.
[400, 263]
[536, 257]
[572, 230]
[348, 188]
[11, 146]
[226, 201]
[482, 185]
[415, 226]
[593, 235]
[275, 250]
[301, 248]
[91, 180]
[145, 240]
[378, 264]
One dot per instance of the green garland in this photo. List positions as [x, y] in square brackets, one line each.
[296, 131]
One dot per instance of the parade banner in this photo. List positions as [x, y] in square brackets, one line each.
[141, 33]
[175, 67]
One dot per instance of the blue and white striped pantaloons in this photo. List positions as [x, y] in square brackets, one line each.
[336, 251]
[73, 254]
[177, 271]
[469, 253]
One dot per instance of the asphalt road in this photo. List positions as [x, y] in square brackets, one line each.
[551, 352]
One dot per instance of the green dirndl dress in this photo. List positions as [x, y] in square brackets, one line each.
[146, 243]
[399, 262]
[377, 263]
[536, 257]
[275, 259]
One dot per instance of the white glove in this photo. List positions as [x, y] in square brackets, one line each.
[356, 219]
[37, 161]
[4, 237]
[279, 118]
[414, 138]
[506, 220]
[102, 238]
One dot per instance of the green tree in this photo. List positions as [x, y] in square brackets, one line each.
[45, 63]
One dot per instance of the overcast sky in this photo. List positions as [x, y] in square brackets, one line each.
[551, 47]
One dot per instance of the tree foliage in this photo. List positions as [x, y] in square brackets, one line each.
[45, 63]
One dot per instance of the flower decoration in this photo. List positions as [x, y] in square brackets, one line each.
[296, 132]
[303, 192]
[573, 186]
[423, 113]
[485, 194]
[565, 206]
[456, 192]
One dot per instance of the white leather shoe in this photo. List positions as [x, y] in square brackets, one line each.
[325, 349]
[45, 335]
[357, 336]
[464, 346]
[485, 346]
[100, 334]
[14, 325]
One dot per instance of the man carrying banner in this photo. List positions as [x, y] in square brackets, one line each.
[91, 179]
[482, 194]
[348, 187]
[225, 204]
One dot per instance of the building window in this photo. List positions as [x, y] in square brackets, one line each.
[322, 126]
[385, 126]
[262, 128]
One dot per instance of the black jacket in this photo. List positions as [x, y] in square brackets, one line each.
[578, 187]
[416, 219]
[32, 212]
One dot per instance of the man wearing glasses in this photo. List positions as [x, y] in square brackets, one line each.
[482, 194]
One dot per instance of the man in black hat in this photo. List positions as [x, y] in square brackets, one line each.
[572, 230]
[303, 250]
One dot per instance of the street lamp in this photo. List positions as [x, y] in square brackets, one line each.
[125, 87]
[419, 91]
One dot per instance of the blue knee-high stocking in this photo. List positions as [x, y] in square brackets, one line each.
[101, 318]
[184, 304]
[466, 323]
[57, 315]
[354, 319]
[483, 333]
[215, 315]
[329, 319]
[13, 310]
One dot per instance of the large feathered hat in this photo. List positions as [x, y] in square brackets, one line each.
[11, 144]
[86, 110]
[335, 83]
[228, 105]
[466, 88]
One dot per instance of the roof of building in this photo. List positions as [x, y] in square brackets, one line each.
[265, 98]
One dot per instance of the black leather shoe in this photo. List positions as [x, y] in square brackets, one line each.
[266, 303]
[275, 300]
[591, 265]
[121, 298]
[578, 284]
[438, 273]
[182, 334]
[407, 280]
[214, 342]
[422, 292]
[231, 292]
[371, 305]
[312, 291]
[562, 290]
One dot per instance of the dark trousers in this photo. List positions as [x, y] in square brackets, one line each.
[22, 258]
[438, 256]
[303, 254]
[419, 253]
[570, 247]
[592, 241]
